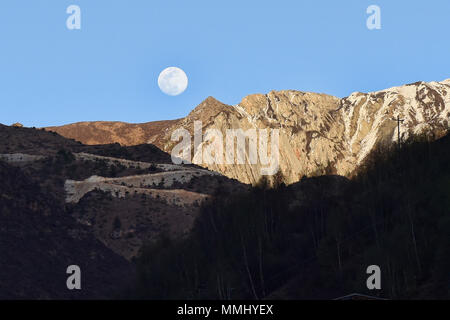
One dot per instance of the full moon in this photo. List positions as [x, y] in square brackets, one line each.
[172, 81]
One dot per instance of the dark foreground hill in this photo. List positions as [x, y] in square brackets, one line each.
[315, 239]
[137, 194]
[38, 241]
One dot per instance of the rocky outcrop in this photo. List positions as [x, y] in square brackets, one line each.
[141, 184]
[318, 133]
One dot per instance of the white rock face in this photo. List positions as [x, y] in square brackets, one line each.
[370, 118]
[321, 133]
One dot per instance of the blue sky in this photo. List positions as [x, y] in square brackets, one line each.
[108, 70]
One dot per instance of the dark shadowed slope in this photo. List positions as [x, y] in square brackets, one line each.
[38, 241]
[316, 238]
[42, 232]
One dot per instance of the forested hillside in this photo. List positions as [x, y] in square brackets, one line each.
[316, 238]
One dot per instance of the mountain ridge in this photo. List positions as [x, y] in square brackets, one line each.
[318, 132]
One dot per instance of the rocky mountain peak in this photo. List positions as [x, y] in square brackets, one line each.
[318, 133]
[208, 107]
